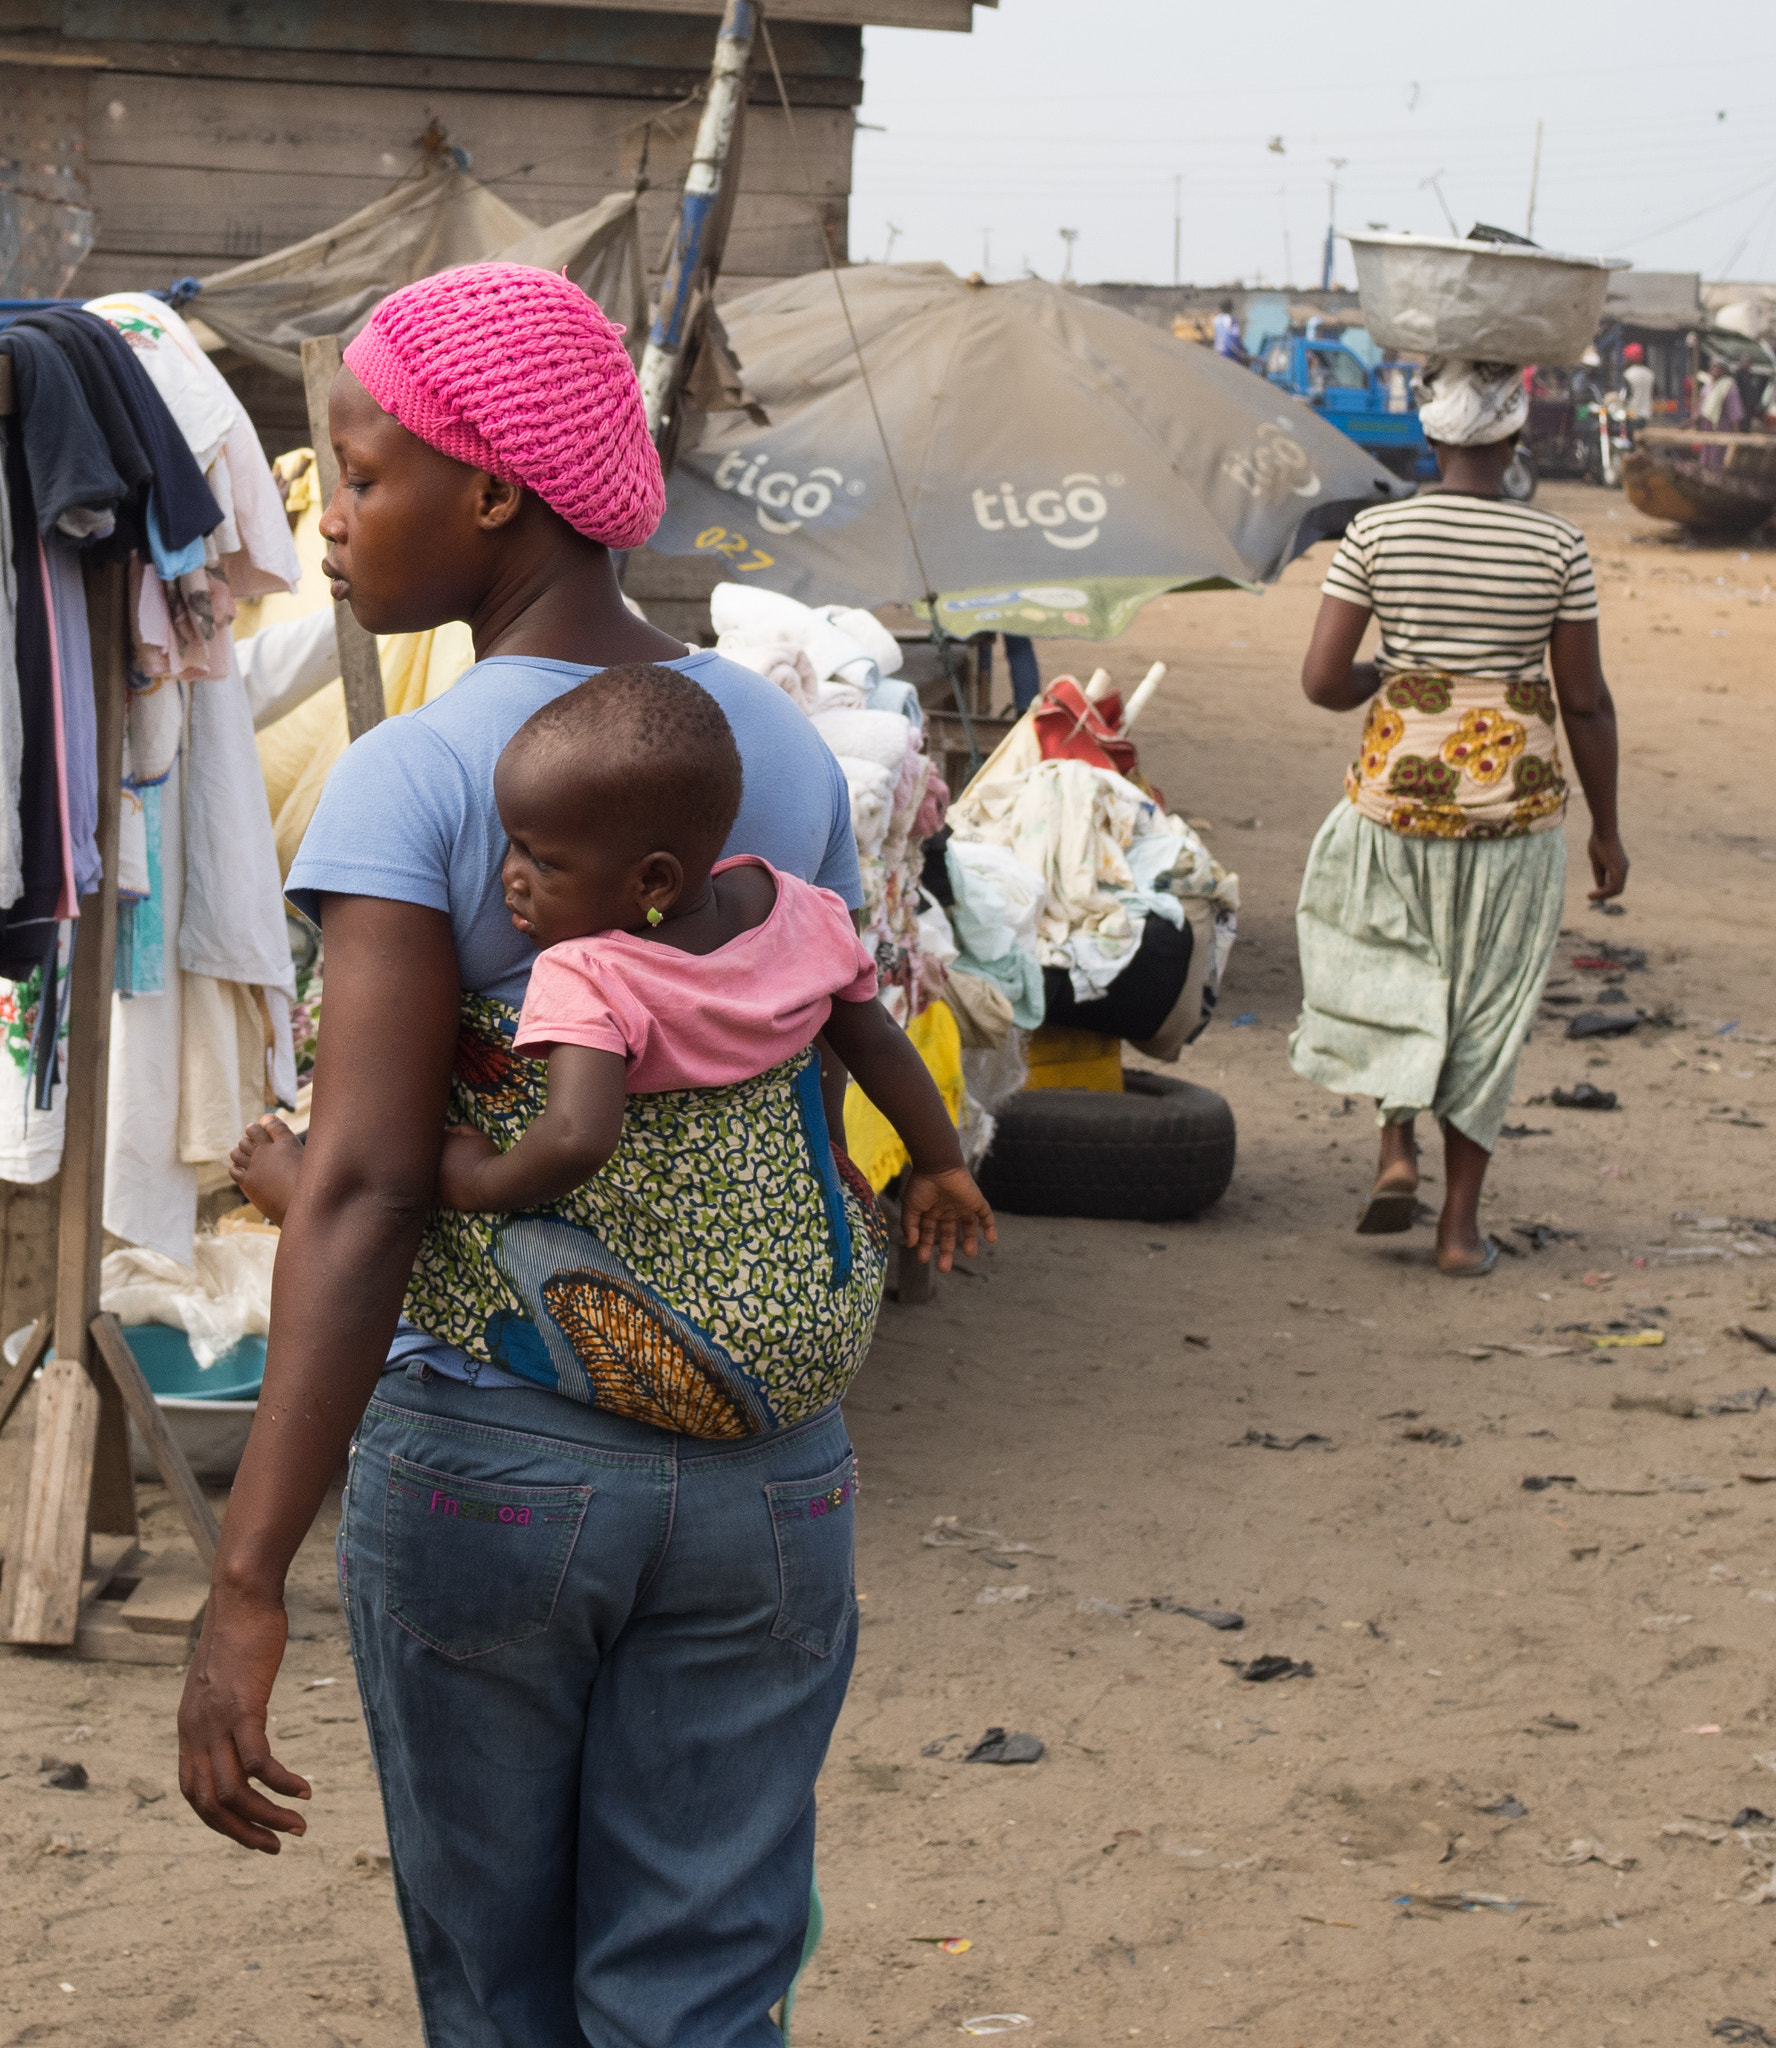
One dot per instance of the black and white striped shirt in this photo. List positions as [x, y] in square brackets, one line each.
[1463, 586]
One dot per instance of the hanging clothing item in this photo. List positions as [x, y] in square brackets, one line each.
[80, 726]
[148, 447]
[150, 1193]
[252, 540]
[27, 926]
[12, 731]
[69, 463]
[30, 1137]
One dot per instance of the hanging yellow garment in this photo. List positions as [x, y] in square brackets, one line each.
[296, 755]
[871, 1140]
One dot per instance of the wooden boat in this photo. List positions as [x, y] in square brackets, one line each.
[1702, 478]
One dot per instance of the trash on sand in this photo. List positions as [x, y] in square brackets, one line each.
[1320, 1920]
[1696, 1830]
[315, 1684]
[1556, 1721]
[1741, 2030]
[1607, 959]
[996, 1747]
[1539, 1482]
[1751, 1817]
[1759, 1478]
[997, 2023]
[1761, 1338]
[1526, 1131]
[1002, 1596]
[1604, 1023]
[949, 1532]
[1089, 1603]
[1628, 1340]
[1747, 1401]
[1508, 1808]
[1246, 1017]
[1423, 1433]
[1582, 1849]
[1584, 1096]
[1462, 1902]
[1265, 1441]
[951, 1944]
[64, 1777]
[1705, 1728]
[1657, 1404]
[1261, 1670]
[1542, 1235]
[1216, 1617]
[1662, 1624]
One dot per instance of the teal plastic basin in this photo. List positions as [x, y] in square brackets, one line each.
[164, 1354]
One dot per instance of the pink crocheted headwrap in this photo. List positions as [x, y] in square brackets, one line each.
[514, 370]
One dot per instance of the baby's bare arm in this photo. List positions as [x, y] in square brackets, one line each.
[576, 1133]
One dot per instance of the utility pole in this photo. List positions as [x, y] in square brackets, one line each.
[1535, 178]
[1069, 236]
[893, 237]
[1338, 163]
[694, 247]
[1177, 230]
[986, 253]
[1288, 258]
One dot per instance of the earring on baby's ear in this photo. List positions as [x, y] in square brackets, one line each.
[655, 914]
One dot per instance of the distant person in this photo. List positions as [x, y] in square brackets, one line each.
[1722, 404]
[1434, 894]
[1227, 334]
[1637, 379]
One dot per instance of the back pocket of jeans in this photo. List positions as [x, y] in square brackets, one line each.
[473, 1565]
[812, 1520]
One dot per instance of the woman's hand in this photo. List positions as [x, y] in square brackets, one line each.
[1609, 865]
[466, 1151]
[222, 1743]
[937, 1208]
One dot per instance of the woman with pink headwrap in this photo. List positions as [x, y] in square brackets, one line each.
[600, 1653]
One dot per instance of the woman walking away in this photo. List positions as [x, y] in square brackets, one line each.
[597, 1540]
[1433, 894]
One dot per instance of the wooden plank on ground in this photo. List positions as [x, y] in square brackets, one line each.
[169, 1601]
[360, 668]
[144, 1411]
[46, 1559]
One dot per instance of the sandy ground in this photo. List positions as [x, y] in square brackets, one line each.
[1197, 1854]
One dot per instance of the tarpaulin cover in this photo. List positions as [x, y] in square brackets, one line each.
[1062, 462]
[332, 282]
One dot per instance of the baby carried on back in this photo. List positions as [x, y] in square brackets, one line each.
[641, 1205]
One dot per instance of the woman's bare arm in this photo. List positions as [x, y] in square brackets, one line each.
[382, 1074]
[1589, 714]
[1331, 675]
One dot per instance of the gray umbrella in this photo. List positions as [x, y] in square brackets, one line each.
[1062, 462]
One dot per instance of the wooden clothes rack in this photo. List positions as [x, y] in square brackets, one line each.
[74, 1525]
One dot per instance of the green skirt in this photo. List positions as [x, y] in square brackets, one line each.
[1422, 962]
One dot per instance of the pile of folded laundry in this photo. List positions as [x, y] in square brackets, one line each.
[838, 664]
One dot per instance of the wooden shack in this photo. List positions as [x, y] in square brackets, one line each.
[202, 132]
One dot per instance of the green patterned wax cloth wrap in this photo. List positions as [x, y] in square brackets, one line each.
[720, 1276]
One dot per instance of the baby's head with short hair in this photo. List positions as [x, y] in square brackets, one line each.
[617, 797]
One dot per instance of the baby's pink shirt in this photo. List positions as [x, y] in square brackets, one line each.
[702, 1020]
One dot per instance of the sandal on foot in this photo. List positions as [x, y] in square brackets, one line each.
[1477, 1271]
[1390, 1210]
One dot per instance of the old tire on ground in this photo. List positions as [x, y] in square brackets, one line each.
[1160, 1151]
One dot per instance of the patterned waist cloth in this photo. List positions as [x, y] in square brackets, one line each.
[720, 1276]
[1460, 757]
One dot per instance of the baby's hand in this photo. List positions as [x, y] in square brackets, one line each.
[465, 1150]
[936, 1207]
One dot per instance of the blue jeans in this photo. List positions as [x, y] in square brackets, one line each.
[600, 1665]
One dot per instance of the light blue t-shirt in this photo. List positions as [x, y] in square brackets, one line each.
[408, 815]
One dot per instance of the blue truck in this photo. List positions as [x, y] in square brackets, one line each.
[1373, 406]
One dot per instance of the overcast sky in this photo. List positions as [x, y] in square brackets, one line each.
[1659, 124]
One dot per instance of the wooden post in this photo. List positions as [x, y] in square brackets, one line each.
[359, 668]
[47, 1556]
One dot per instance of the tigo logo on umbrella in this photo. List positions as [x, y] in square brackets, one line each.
[1079, 498]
